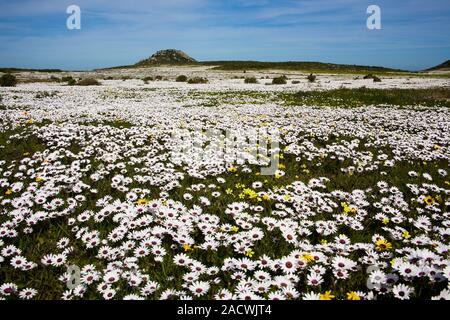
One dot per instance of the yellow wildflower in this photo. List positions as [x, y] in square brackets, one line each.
[406, 235]
[353, 296]
[383, 245]
[307, 257]
[428, 200]
[326, 296]
[249, 253]
[142, 202]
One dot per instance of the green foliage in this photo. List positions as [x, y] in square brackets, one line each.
[251, 80]
[376, 79]
[46, 94]
[198, 80]
[363, 97]
[146, 79]
[88, 82]
[372, 76]
[279, 80]
[8, 80]
[294, 65]
[55, 79]
[66, 79]
[181, 78]
[311, 78]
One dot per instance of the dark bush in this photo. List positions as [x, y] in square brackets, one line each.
[181, 78]
[66, 79]
[196, 80]
[295, 82]
[311, 78]
[71, 82]
[8, 80]
[251, 80]
[372, 76]
[88, 82]
[159, 78]
[376, 79]
[45, 94]
[279, 80]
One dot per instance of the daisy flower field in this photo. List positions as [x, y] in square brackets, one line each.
[124, 191]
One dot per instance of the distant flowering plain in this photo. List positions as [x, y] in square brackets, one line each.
[97, 202]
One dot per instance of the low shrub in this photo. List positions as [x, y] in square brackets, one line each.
[372, 76]
[376, 79]
[66, 79]
[279, 80]
[311, 77]
[251, 80]
[8, 80]
[45, 94]
[88, 82]
[197, 80]
[181, 78]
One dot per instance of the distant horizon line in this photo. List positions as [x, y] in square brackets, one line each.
[43, 69]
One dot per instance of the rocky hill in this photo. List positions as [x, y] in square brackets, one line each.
[168, 56]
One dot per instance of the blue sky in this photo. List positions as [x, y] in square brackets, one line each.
[415, 34]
